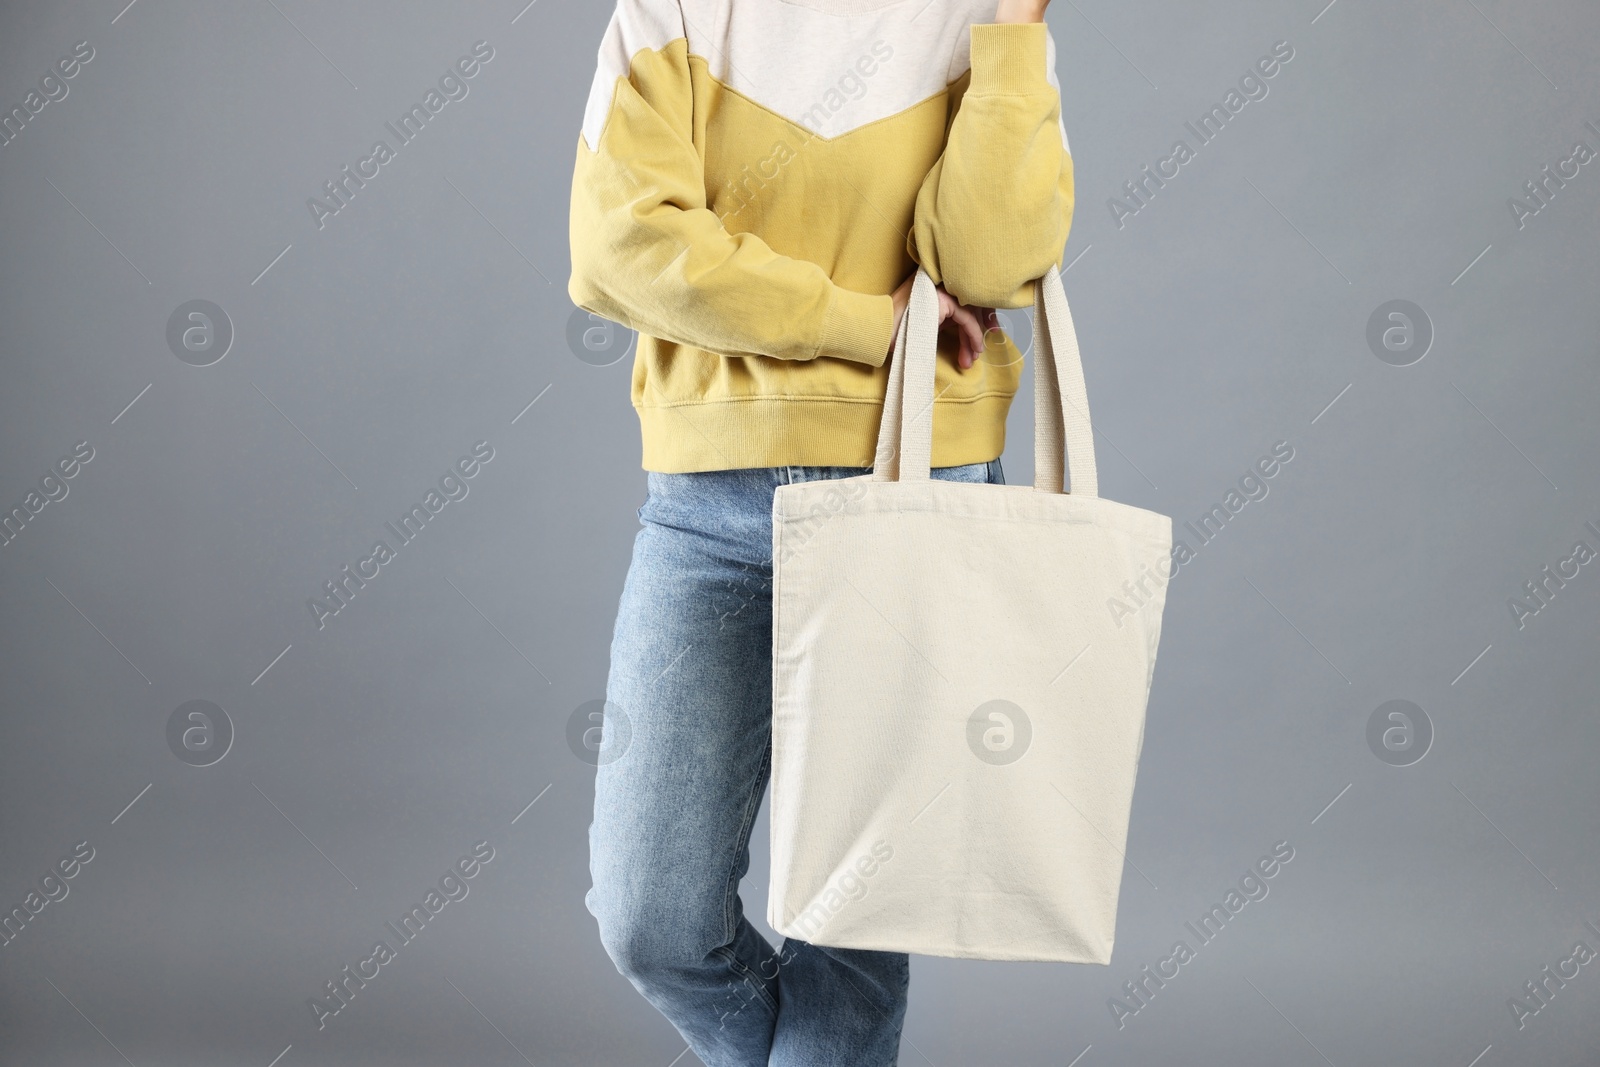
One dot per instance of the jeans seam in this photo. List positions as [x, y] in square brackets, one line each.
[751, 806]
[736, 965]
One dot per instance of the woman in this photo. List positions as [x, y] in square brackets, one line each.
[756, 183]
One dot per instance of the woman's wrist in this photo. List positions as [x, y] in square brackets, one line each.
[1020, 11]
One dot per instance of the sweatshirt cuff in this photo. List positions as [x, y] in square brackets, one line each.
[1008, 58]
[857, 326]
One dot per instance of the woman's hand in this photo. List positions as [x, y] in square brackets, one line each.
[1021, 11]
[969, 321]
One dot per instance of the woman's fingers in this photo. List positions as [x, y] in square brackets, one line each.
[971, 323]
[965, 319]
[986, 322]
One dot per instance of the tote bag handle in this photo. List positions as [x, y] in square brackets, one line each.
[1060, 402]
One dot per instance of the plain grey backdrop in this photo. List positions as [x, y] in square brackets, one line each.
[1441, 461]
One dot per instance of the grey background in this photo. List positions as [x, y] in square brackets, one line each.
[1229, 314]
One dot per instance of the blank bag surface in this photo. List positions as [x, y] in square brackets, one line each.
[959, 674]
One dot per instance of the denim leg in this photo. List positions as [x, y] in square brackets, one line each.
[691, 668]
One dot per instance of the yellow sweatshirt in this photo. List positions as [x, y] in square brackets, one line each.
[754, 177]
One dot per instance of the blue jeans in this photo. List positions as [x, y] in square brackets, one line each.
[682, 768]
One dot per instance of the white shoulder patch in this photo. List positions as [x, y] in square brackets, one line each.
[838, 71]
[635, 25]
[1050, 72]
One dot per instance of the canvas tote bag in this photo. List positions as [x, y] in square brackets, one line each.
[959, 680]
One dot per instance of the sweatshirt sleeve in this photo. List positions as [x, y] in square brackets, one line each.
[994, 210]
[646, 250]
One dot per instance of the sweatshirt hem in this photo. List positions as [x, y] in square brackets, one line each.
[808, 431]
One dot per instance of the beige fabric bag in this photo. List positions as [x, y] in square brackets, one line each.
[959, 677]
